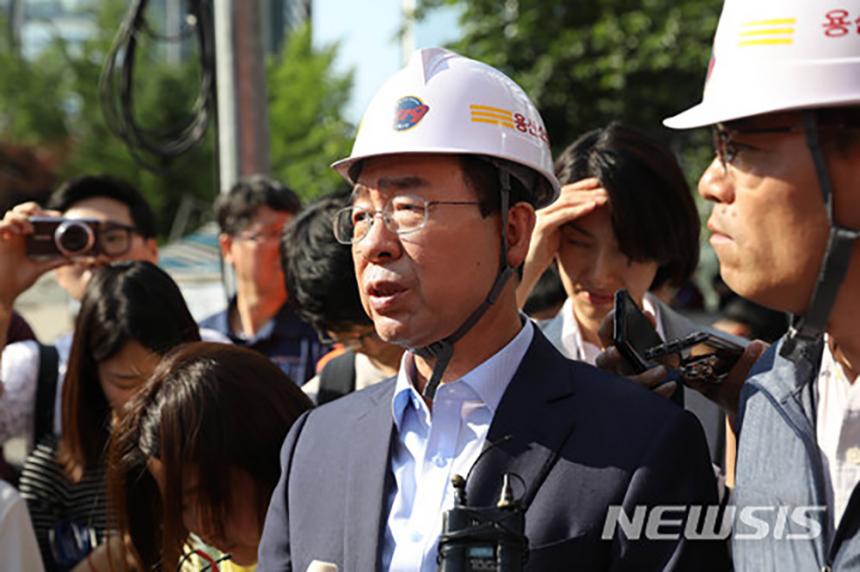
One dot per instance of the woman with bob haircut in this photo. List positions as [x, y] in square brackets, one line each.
[625, 219]
[131, 314]
[198, 453]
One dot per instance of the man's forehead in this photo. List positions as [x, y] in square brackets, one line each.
[100, 208]
[408, 173]
[767, 120]
[391, 183]
[267, 216]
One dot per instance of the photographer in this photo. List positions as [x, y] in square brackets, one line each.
[114, 204]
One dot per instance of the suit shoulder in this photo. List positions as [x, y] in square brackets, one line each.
[344, 409]
[618, 398]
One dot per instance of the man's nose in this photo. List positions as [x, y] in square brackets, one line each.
[716, 185]
[380, 242]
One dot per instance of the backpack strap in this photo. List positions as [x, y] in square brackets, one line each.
[46, 391]
[337, 378]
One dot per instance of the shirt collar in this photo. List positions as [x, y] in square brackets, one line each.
[488, 381]
[577, 347]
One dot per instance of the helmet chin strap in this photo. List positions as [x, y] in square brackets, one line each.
[807, 329]
[443, 350]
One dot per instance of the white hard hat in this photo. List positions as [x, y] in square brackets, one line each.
[442, 102]
[779, 55]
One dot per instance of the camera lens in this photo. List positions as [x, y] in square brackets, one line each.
[74, 238]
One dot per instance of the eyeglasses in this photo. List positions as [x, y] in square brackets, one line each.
[115, 239]
[348, 342]
[725, 146]
[261, 235]
[402, 215]
[727, 150]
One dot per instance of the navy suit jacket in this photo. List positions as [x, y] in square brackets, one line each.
[581, 438]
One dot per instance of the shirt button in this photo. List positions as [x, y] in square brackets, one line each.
[416, 536]
[439, 461]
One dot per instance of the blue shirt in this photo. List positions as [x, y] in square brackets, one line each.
[291, 343]
[430, 449]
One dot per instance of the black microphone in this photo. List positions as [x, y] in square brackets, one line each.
[484, 538]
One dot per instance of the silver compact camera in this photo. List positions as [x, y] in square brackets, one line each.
[55, 237]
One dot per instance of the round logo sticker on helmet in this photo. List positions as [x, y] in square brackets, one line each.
[409, 112]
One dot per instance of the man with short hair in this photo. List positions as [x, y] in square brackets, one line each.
[783, 100]
[448, 166]
[321, 282]
[251, 217]
[112, 202]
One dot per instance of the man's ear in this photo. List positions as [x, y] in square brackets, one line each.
[225, 243]
[151, 246]
[521, 223]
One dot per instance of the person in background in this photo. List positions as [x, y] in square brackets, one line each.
[251, 217]
[321, 281]
[132, 233]
[132, 313]
[197, 453]
[625, 219]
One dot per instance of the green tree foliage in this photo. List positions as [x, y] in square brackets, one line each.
[306, 102]
[53, 102]
[586, 63]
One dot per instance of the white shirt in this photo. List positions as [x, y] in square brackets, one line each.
[575, 346]
[19, 367]
[429, 450]
[838, 430]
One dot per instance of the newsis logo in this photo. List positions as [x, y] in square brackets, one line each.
[714, 522]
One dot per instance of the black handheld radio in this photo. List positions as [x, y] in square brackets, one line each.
[483, 538]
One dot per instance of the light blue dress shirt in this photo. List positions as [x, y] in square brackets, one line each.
[430, 449]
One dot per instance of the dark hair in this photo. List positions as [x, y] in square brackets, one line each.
[124, 301]
[318, 269]
[213, 406]
[653, 213]
[235, 209]
[483, 176]
[96, 186]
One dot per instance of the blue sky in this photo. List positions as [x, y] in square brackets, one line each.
[367, 32]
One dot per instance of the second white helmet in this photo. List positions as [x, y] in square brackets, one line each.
[779, 55]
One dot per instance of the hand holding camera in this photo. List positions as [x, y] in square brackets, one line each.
[18, 271]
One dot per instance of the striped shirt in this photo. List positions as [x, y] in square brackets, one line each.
[52, 497]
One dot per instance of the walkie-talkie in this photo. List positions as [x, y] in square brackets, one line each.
[483, 538]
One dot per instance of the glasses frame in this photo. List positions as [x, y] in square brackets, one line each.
[721, 137]
[109, 226]
[348, 342]
[386, 213]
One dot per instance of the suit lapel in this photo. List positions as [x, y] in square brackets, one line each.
[367, 475]
[529, 427]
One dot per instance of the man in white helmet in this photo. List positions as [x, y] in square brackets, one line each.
[450, 161]
[783, 99]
